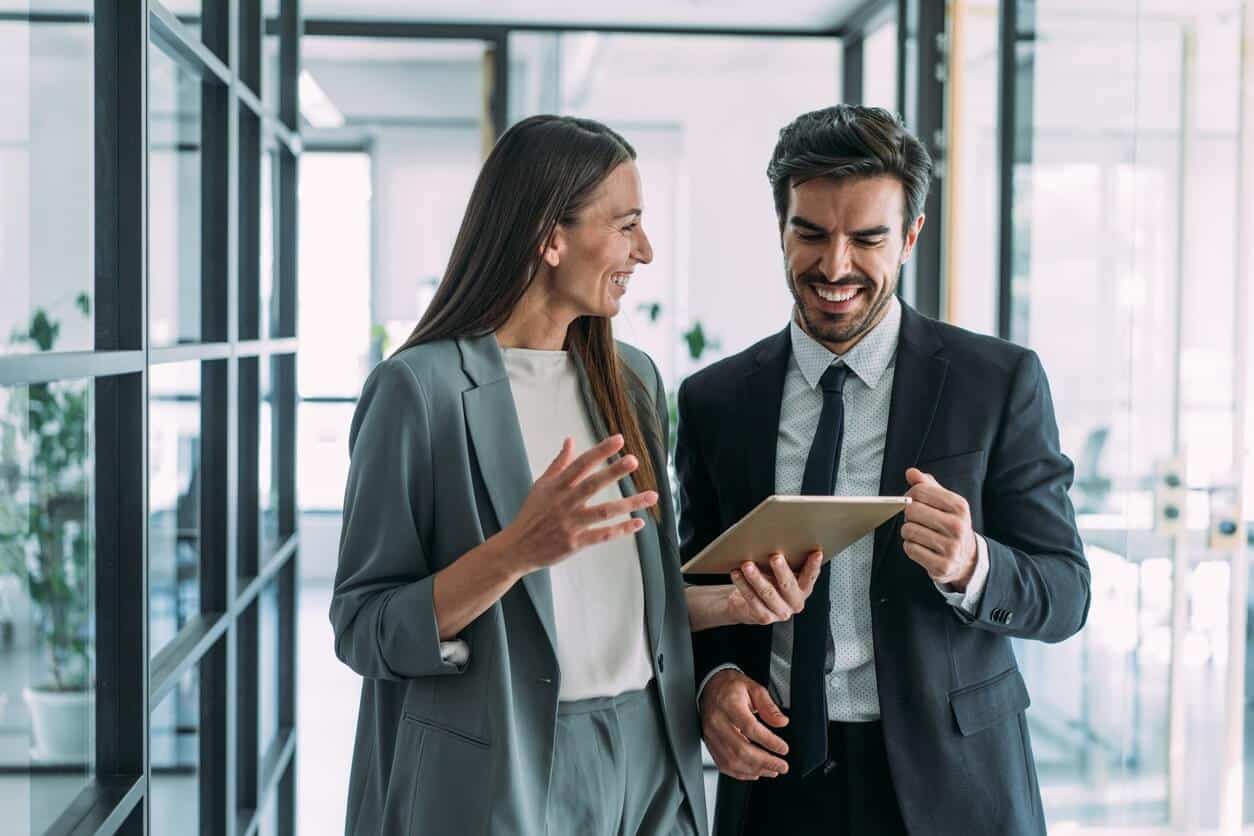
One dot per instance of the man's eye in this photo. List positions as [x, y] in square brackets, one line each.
[869, 242]
[810, 236]
[630, 227]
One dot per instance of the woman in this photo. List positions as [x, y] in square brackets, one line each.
[516, 607]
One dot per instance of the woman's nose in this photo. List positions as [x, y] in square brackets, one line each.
[644, 250]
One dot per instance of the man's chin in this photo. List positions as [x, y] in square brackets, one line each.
[834, 328]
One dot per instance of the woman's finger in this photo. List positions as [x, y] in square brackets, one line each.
[594, 483]
[605, 533]
[610, 510]
[562, 461]
[590, 460]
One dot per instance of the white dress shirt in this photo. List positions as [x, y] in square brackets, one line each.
[852, 694]
[598, 593]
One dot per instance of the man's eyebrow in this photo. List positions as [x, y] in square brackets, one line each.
[629, 212]
[797, 220]
[870, 232]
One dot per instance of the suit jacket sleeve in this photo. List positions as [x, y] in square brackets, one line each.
[698, 526]
[1038, 578]
[382, 605]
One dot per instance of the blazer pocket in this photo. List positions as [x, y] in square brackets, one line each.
[958, 462]
[984, 704]
[465, 737]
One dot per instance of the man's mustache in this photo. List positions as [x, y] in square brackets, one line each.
[850, 280]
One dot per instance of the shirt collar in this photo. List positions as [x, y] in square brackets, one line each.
[869, 359]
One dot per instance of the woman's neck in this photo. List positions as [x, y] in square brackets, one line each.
[535, 323]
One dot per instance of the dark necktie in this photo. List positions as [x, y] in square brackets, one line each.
[807, 724]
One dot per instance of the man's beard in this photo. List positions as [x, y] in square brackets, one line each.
[835, 328]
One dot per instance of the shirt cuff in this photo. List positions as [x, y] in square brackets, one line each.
[455, 652]
[710, 675]
[969, 601]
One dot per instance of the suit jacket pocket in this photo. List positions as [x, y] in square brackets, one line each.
[452, 789]
[466, 737]
[956, 463]
[984, 704]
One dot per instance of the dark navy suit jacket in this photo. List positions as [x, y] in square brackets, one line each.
[976, 413]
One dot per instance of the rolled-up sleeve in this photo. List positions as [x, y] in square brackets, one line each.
[382, 606]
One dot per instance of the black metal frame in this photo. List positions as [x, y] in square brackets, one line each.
[235, 781]
[922, 75]
[1016, 68]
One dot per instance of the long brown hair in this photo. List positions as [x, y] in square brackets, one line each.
[543, 171]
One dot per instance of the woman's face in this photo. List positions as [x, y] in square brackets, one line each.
[592, 260]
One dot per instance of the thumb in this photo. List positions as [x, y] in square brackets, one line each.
[766, 707]
[914, 476]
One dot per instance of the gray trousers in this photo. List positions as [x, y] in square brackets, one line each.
[613, 774]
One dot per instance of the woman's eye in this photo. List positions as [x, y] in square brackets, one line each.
[630, 228]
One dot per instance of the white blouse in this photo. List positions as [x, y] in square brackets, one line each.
[598, 593]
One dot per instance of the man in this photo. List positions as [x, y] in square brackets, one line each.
[892, 703]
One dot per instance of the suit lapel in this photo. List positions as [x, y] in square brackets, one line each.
[762, 396]
[648, 545]
[918, 381]
[496, 434]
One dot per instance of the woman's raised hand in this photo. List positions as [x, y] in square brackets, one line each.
[556, 519]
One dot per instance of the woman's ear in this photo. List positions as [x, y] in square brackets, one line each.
[553, 249]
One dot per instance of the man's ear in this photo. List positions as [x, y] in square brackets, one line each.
[552, 250]
[912, 236]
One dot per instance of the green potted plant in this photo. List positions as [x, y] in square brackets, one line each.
[45, 542]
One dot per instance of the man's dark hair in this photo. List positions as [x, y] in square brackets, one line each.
[849, 141]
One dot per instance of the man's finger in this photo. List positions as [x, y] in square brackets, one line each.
[810, 572]
[738, 752]
[759, 611]
[914, 533]
[760, 700]
[936, 496]
[942, 522]
[786, 581]
[914, 476]
[934, 564]
[767, 592]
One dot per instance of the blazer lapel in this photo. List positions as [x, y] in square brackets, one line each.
[917, 383]
[496, 434]
[762, 396]
[648, 545]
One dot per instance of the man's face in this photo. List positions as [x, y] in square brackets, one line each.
[843, 250]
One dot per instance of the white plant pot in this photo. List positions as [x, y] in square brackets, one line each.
[61, 722]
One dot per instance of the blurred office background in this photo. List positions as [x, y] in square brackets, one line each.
[215, 217]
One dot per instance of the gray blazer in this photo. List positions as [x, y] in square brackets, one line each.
[438, 466]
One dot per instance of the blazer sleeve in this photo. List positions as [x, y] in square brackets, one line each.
[1038, 577]
[382, 605]
[698, 527]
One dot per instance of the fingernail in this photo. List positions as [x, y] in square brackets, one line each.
[777, 559]
[751, 569]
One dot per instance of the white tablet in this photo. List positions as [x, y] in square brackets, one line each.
[795, 526]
